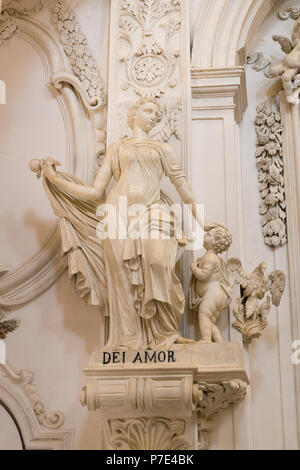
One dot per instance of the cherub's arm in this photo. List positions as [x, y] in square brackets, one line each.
[204, 273]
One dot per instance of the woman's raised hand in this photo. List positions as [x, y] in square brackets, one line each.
[49, 169]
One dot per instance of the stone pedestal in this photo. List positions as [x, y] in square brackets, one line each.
[160, 400]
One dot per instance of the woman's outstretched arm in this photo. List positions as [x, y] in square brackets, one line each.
[81, 191]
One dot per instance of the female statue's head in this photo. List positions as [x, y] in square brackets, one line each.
[145, 113]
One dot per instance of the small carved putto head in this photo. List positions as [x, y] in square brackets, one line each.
[219, 239]
[147, 111]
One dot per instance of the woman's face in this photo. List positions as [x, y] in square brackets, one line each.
[146, 116]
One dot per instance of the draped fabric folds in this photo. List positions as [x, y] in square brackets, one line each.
[84, 250]
[131, 278]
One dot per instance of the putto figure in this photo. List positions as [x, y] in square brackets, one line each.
[210, 287]
[132, 279]
[289, 68]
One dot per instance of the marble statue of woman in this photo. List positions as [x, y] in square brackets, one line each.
[132, 278]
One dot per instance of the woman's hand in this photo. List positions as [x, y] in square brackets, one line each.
[49, 169]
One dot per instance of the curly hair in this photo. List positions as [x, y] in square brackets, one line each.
[222, 239]
[134, 109]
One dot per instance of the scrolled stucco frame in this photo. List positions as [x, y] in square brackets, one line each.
[26, 282]
[19, 397]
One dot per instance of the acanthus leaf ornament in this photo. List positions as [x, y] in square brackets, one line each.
[8, 19]
[213, 398]
[151, 62]
[148, 434]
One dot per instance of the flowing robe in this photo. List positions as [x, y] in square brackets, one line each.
[132, 277]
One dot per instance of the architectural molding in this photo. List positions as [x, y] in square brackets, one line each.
[291, 151]
[39, 429]
[213, 398]
[226, 84]
[269, 161]
[43, 269]
[142, 400]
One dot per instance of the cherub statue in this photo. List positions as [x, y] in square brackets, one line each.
[289, 69]
[250, 313]
[210, 287]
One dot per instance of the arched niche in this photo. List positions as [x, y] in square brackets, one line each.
[43, 268]
[26, 419]
[224, 29]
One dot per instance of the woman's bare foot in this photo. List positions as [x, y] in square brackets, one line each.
[182, 340]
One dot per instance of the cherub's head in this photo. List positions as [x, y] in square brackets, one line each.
[145, 113]
[218, 239]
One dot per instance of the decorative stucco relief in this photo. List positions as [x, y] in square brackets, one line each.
[271, 173]
[25, 380]
[291, 12]
[7, 325]
[74, 42]
[213, 398]
[148, 28]
[148, 434]
[151, 62]
[257, 61]
[8, 24]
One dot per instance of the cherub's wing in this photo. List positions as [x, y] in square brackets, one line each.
[236, 272]
[285, 43]
[169, 125]
[276, 286]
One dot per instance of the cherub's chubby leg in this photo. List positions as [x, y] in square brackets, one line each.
[206, 315]
[216, 335]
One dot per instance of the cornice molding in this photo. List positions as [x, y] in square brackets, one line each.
[228, 83]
